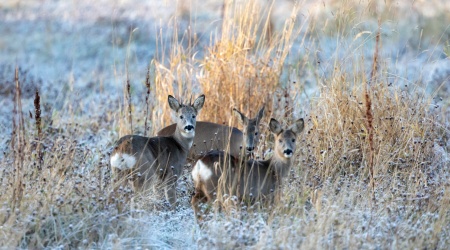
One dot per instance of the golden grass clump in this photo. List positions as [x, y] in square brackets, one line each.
[242, 70]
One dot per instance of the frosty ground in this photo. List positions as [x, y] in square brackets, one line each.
[79, 55]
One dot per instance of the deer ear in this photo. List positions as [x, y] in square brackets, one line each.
[173, 103]
[298, 126]
[198, 103]
[275, 126]
[241, 117]
[260, 114]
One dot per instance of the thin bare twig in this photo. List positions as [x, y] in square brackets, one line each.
[147, 101]
[369, 114]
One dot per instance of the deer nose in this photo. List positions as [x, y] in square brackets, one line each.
[189, 128]
[287, 152]
[250, 149]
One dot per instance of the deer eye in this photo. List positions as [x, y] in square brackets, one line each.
[293, 140]
[256, 133]
[181, 117]
[193, 117]
[280, 141]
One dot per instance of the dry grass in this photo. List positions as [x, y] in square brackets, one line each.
[238, 63]
[243, 62]
[56, 181]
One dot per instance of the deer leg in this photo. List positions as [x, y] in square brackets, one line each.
[171, 195]
[170, 189]
[197, 198]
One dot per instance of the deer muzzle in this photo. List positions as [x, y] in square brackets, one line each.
[288, 153]
[189, 129]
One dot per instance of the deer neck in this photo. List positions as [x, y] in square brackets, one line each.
[280, 166]
[184, 142]
[246, 157]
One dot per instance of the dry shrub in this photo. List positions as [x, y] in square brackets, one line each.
[173, 76]
[54, 186]
[337, 142]
[56, 198]
[327, 202]
[242, 70]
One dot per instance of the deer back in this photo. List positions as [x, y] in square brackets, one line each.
[211, 136]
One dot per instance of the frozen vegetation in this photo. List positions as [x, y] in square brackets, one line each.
[316, 62]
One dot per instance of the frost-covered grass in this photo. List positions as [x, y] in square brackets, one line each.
[354, 184]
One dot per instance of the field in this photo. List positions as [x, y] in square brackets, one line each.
[371, 79]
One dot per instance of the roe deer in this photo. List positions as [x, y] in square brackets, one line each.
[146, 159]
[252, 180]
[213, 136]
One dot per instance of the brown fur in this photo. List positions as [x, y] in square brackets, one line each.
[158, 158]
[212, 136]
[250, 180]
